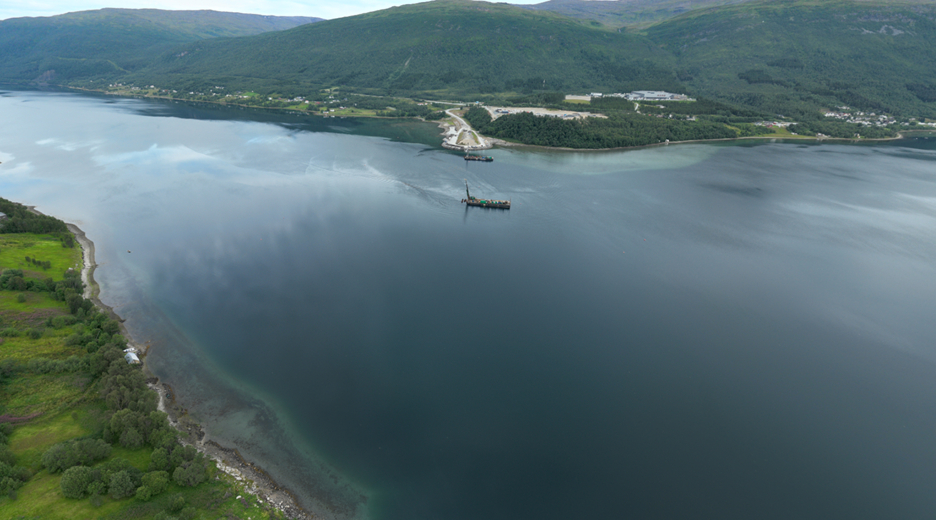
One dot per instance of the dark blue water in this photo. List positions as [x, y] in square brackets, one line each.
[731, 331]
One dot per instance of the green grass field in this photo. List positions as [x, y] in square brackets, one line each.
[30, 440]
[42, 393]
[782, 132]
[15, 247]
[353, 112]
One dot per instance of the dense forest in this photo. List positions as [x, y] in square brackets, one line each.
[795, 57]
[20, 220]
[455, 47]
[620, 129]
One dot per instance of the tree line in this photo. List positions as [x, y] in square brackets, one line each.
[21, 220]
[620, 129]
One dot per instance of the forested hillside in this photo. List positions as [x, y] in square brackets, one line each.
[626, 13]
[789, 57]
[794, 57]
[455, 46]
[112, 42]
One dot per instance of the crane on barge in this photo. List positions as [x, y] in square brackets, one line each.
[484, 203]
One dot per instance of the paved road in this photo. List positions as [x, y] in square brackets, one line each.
[462, 126]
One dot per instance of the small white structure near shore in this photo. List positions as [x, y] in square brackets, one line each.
[132, 358]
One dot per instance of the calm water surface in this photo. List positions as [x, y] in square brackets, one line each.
[695, 331]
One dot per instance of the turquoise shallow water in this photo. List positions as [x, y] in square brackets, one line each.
[731, 330]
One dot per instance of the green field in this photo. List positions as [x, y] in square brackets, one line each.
[14, 248]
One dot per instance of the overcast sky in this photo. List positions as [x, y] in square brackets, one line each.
[322, 9]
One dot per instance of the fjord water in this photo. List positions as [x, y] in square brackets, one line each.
[726, 331]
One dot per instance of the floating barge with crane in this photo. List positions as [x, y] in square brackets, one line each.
[485, 203]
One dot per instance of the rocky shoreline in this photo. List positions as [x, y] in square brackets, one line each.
[255, 480]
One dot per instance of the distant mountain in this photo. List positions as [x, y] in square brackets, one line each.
[446, 46]
[791, 57]
[626, 13]
[795, 56]
[114, 41]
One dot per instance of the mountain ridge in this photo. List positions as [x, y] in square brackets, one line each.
[114, 41]
[790, 57]
[445, 44]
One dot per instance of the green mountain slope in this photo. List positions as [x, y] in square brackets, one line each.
[791, 57]
[456, 45]
[795, 56]
[114, 41]
[626, 13]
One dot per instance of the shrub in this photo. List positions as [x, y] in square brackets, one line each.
[74, 302]
[6, 456]
[154, 483]
[97, 487]
[75, 481]
[182, 454]
[131, 438]
[177, 503]
[157, 481]
[59, 322]
[121, 485]
[111, 327]
[190, 473]
[59, 457]
[21, 298]
[16, 283]
[159, 460]
[82, 452]
[9, 485]
[144, 493]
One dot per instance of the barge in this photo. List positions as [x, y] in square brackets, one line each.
[484, 158]
[485, 203]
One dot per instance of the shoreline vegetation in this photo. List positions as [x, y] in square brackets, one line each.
[83, 432]
[628, 128]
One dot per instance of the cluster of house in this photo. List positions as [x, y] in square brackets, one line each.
[542, 113]
[645, 95]
[772, 124]
[861, 118]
